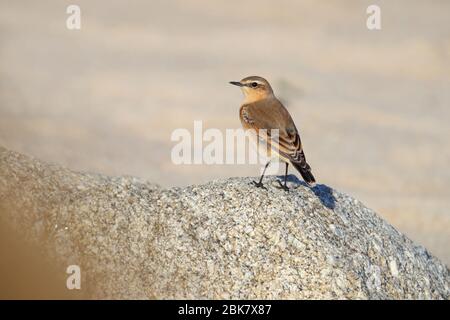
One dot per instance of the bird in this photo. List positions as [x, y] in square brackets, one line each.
[262, 110]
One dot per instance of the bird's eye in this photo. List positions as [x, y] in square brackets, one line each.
[254, 84]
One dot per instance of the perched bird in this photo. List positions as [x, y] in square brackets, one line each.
[262, 110]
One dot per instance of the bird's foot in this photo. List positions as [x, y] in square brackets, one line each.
[283, 186]
[258, 185]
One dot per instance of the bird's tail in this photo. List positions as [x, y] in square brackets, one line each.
[305, 171]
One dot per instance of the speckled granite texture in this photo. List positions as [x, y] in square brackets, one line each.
[223, 239]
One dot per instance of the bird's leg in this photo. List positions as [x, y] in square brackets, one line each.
[259, 184]
[285, 187]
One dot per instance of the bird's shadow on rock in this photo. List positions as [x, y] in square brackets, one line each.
[325, 195]
[322, 191]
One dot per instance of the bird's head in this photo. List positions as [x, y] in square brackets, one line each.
[254, 88]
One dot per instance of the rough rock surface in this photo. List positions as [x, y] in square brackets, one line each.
[224, 239]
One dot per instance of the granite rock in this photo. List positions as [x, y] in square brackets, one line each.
[223, 239]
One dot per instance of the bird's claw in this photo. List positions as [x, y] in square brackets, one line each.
[283, 186]
[258, 185]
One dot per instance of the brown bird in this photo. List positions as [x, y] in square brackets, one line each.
[262, 110]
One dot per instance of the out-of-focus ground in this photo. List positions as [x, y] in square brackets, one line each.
[372, 106]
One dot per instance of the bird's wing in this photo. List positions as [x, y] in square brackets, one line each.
[271, 115]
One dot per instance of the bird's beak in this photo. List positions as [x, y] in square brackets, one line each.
[236, 83]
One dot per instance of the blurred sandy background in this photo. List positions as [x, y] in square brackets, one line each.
[372, 106]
